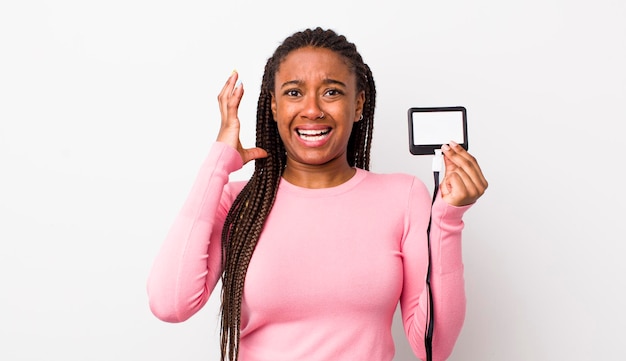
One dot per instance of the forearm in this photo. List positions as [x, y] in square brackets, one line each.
[188, 264]
[447, 282]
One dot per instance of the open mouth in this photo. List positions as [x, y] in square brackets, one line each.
[313, 134]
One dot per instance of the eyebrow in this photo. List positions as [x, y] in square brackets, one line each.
[326, 81]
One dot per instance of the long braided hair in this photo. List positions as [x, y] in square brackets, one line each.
[250, 209]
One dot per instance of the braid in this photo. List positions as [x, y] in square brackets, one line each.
[247, 215]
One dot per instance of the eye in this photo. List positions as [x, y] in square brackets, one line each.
[292, 92]
[333, 92]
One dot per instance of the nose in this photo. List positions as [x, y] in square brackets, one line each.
[312, 109]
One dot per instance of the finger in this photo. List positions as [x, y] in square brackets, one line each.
[229, 98]
[464, 182]
[252, 154]
[227, 89]
[453, 191]
[457, 157]
[235, 99]
[447, 160]
[465, 189]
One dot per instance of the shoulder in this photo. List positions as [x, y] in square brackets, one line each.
[400, 187]
[395, 181]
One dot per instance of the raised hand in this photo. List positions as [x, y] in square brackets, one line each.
[229, 100]
[463, 182]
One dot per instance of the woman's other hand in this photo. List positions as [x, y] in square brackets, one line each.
[463, 182]
[229, 100]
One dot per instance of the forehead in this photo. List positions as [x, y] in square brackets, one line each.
[312, 63]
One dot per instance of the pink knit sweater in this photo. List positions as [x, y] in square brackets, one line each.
[329, 268]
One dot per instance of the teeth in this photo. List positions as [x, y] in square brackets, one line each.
[312, 133]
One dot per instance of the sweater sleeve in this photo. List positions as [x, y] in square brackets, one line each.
[447, 281]
[188, 264]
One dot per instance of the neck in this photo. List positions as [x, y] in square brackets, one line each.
[318, 176]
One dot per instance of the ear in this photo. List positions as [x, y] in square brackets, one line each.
[273, 106]
[360, 102]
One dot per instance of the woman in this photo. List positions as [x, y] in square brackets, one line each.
[314, 251]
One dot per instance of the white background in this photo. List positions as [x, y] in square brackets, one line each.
[107, 109]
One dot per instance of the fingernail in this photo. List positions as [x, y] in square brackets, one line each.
[453, 143]
[238, 83]
[445, 148]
